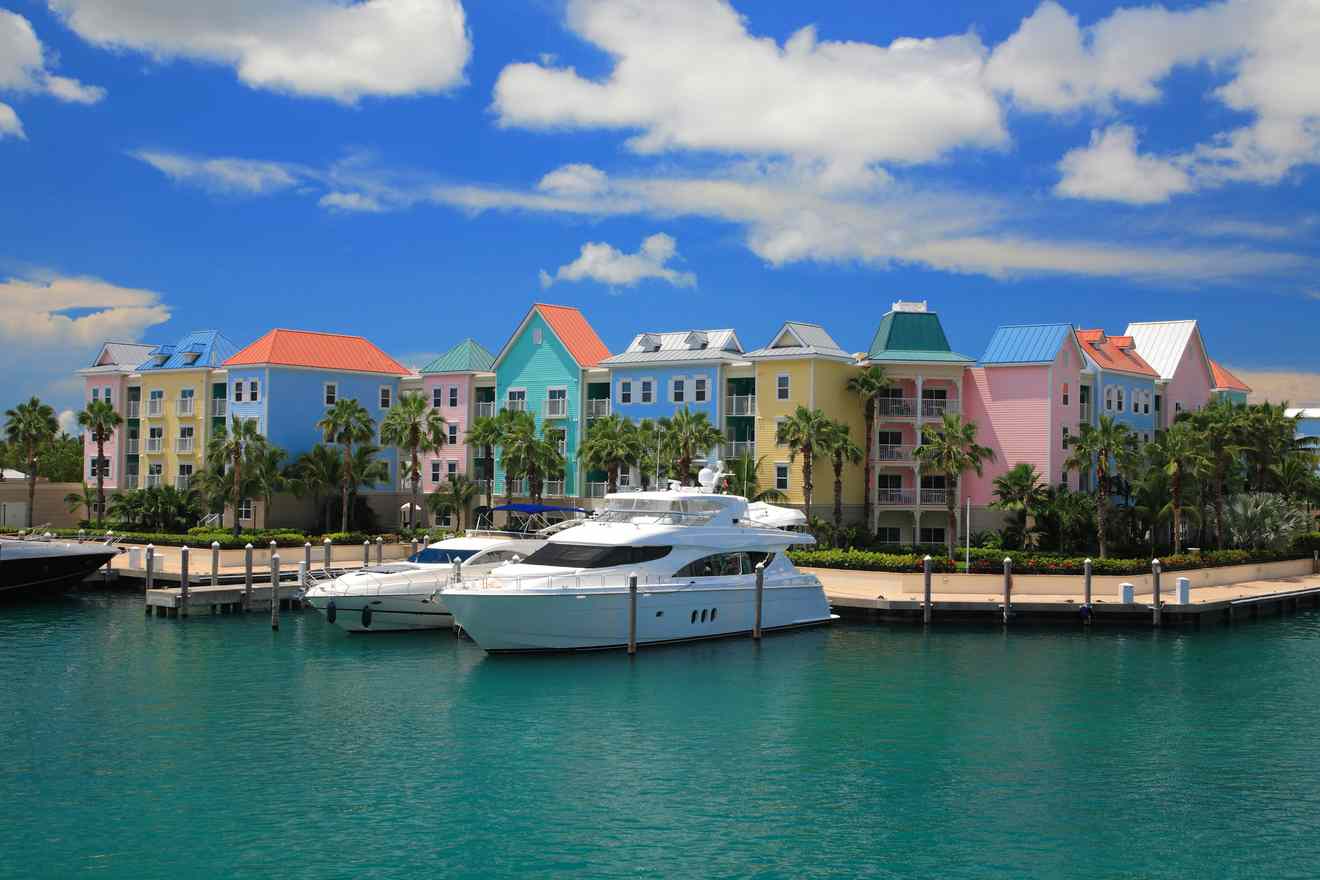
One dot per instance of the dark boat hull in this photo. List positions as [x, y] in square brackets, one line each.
[34, 568]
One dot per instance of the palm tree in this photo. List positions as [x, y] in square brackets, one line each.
[234, 447]
[689, 435]
[413, 425]
[842, 449]
[1100, 445]
[1184, 456]
[455, 496]
[744, 480]
[1021, 492]
[86, 499]
[485, 434]
[1268, 436]
[950, 448]
[653, 463]
[267, 473]
[29, 428]
[1223, 427]
[100, 418]
[367, 469]
[535, 458]
[612, 443]
[317, 473]
[127, 508]
[867, 385]
[346, 422]
[1294, 476]
[804, 432]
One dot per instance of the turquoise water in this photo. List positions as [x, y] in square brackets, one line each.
[152, 748]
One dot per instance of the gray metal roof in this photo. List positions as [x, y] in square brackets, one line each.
[680, 345]
[797, 339]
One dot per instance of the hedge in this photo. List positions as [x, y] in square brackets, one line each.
[866, 560]
[1029, 563]
[226, 539]
[1307, 544]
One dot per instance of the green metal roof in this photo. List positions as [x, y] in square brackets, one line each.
[912, 336]
[469, 356]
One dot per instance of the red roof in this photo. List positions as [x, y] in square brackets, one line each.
[326, 351]
[577, 335]
[1114, 353]
[1226, 381]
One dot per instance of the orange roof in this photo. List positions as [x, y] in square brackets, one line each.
[1226, 381]
[577, 335]
[326, 351]
[1114, 353]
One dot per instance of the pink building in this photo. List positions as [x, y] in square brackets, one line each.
[107, 379]
[460, 385]
[1177, 352]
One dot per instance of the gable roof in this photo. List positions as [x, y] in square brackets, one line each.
[1026, 343]
[571, 328]
[119, 357]
[1114, 353]
[325, 351]
[912, 336]
[1162, 344]
[680, 345]
[1226, 381]
[200, 349]
[469, 356]
[799, 339]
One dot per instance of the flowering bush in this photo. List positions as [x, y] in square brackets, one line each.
[867, 560]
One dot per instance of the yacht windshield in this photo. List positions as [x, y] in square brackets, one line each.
[662, 511]
[437, 556]
[593, 555]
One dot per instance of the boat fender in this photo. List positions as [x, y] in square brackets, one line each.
[366, 617]
[331, 612]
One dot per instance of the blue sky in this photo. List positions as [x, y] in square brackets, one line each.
[418, 171]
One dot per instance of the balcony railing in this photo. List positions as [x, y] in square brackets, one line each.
[934, 496]
[934, 407]
[130, 481]
[890, 452]
[517, 487]
[596, 490]
[155, 445]
[219, 407]
[483, 486]
[181, 482]
[515, 405]
[184, 406]
[897, 407]
[555, 408]
[895, 497]
[131, 446]
[155, 408]
[134, 409]
[741, 404]
[183, 445]
[739, 449]
[153, 481]
[1084, 413]
[598, 408]
[552, 488]
[485, 409]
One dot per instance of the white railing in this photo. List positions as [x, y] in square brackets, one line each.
[598, 407]
[155, 408]
[184, 445]
[181, 482]
[219, 407]
[619, 581]
[552, 488]
[486, 408]
[155, 445]
[739, 448]
[555, 408]
[741, 404]
[134, 408]
[184, 406]
[1084, 413]
[484, 485]
[153, 481]
[513, 405]
[130, 481]
[934, 407]
[596, 490]
[934, 496]
[889, 452]
[897, 407]
[517, 487]
[895, 497]
[131, 446]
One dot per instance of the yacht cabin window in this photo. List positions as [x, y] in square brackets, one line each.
[593, 555]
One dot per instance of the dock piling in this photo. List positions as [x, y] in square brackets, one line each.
[183, 581]
[632, 613]
[414, 548]
[82, 535]
[327, 553]
[366, 553]
[1008, 589]
[215, 563]
[1315, 562]
[247, 577]
[1184, 591]
[380, 550]
[1086, 592]
[925, 595]
[760, 599]
[307, 554]
[151, 567]
[275, 591]
[1155, 587]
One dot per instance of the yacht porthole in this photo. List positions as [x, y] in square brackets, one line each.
[659, 614]
[703, 615]
[694, 617]
[714, 612]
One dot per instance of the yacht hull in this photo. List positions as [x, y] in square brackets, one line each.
[32, 568]
[515, 621]
[387, 613]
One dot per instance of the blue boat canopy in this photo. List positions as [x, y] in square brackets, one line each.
[538, 508]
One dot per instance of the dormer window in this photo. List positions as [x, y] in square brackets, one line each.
[536, 336]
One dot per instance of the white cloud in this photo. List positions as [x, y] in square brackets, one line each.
[68, 420]
[1109, 168]
[72, 91]
[602, 262]
[689, 76]
[222, 175]
[10, 124]
[25, 69]
[351, 202]
[342, 51]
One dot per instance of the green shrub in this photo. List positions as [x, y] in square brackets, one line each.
[1306, 544]
[1028, 563]
[866, 560]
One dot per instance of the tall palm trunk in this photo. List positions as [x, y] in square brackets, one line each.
[32, 482]
[806, 479]
[238, 493]
[838, 491]
[612, 478]
[951, 508]
[490, 476]
[1219, 508]
[1176, 491]
[416, 490]
[868, 465]
[343, 487]
[1101, 507]
[100, 477]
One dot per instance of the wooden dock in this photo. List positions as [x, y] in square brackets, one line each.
[220, 599]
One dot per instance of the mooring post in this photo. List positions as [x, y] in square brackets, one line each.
[82, 535]
[183, 581]
[327, 553]
[1155, 587]
[414, 548]
[1008, 588]
[1086, 592]
[151, 566]
[1315, 562]
[215, 563]
[366, 553]
[275, 591]
[307, 554]
[1184, 591]
[760, 599]
[302, 579]
[247, 577]
[925, 594]
[380, 550]
[632, 613]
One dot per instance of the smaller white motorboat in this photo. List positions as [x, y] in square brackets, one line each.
[405, 595]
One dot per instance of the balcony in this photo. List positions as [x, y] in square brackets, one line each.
[516, 404]
[895, 497]
[734, 449]
[740, 405]
[596, 490]
[153, 481]
[155, 445]
[184, 407]
[1084, 413]
[181, 482]
[555, 408]
[935, 407]
[219, 407]
[896, 407]
[886, 452]
[486, 409]
[130, 481]
[131, 446]
[134, 409]
[484, 486]
[935, 496]
[517, 487]
[184, 445]
[155, 408]
[598, 408]
[552, 488]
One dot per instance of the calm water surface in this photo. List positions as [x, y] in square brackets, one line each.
[139, 747]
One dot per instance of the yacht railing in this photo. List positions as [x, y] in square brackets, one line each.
[619, 580]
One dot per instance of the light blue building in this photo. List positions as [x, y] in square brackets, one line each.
[1118, 383]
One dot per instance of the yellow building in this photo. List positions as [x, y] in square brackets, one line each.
[803, 366]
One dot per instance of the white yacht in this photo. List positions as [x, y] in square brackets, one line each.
[403, 595]
[694, 555]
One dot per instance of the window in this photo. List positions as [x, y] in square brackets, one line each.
[779, 421]
[96, 394]
[517, 399]
[245, 510]
[781, 387]
[451, 468]
[678, 390]
[1063, 479]
[453, 433]
[781, 477]
[453, 395]
[104, 468]
[1109, 399]
[1145, 402]
[238, 391]
[932, 535]
[441, 557]
[1065, 436]
[386, 396]
[185, 432]
[435, 471]
[722, 565]
[331, 393]
[536, 336]
[699, 389]
[254, 391]
[185, 471]
[889, 535]
[1157, 403]
[593, 555]
[648, 391]
[1065, 393]
[1177, 406]
[625, 392]
[1118, 399]
[437, 396]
